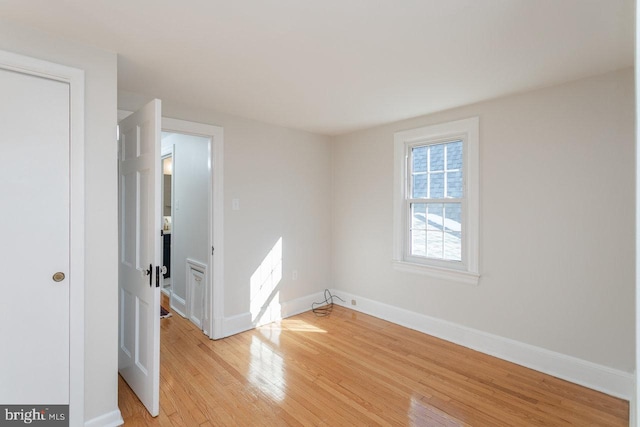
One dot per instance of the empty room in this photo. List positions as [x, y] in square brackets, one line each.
[412, 212]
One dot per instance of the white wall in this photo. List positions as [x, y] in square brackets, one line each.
[633, 407]
[557, 221]
[189, 235]
[101, 269]
[282, 180]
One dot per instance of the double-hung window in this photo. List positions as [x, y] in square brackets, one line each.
[436, 200]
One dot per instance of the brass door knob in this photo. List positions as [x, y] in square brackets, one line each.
[58, 277]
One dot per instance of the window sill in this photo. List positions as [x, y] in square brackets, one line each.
[464, 277]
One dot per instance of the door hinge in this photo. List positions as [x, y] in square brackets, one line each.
[157, 276]
[161, 232]
[211, 250]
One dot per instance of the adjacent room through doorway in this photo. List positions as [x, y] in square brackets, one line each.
[185, 210]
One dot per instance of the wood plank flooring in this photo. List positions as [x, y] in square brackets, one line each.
[350, 369]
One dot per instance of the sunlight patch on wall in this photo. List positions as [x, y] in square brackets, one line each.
[265, 296]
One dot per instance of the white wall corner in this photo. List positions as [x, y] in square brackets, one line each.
[300, 305]
[243, 322]
[218, 328]
[235, 324]
[598, 377]
[110, 419]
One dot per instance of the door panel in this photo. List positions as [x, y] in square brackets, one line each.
[34, 189]
[140, 245]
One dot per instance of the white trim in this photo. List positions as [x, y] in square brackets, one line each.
[235, 324]
[469, 130]
[75, 78]
[194, 265]
[300, 305]
[178, 305]
[242, 322]
[598, 377]
[110, 419]
[214, 307]
[437, 272]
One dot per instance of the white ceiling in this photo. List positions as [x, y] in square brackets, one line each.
[334, 66]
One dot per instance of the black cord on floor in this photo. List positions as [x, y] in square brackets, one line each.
[325, 307]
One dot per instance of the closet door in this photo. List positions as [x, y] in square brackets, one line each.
[34, 213]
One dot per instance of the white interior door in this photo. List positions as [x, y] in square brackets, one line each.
[140, 254]
[34, 189]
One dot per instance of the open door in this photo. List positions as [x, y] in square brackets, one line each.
[139, 254]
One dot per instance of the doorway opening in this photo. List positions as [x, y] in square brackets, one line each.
[185, 180]
[194, 221]
[142, 228]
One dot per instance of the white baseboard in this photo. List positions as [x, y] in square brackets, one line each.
[243, 322]
[235, 324]
[300, 305]
[178, 305]
[218, 328]
[110, 419]
[602, 378]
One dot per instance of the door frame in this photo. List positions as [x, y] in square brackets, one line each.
[75, 78]
[214, 310]
[214, 299]
[163, 157]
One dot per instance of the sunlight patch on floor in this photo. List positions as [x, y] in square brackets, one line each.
[267, 369]
[293, 325]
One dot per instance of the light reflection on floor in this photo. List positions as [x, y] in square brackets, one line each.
[420, 411]
[267, 368]
[292, 325]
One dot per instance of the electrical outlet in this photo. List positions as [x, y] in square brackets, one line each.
[353, 302]
[294, 275]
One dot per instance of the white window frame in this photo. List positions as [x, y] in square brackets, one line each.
[465, 271]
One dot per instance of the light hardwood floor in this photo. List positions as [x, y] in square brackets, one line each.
[350, 369]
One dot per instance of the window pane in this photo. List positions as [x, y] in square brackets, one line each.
[419, 155]
[454, 184]
[419, 216]
[436, 167]
[436, 157]
[452, 246]
[436, 185]
[418, 247]
[434, 216]
[453, 231]
[453, 217]
[419, 186]
[434, 244]
[454, 155]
